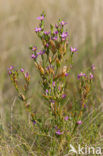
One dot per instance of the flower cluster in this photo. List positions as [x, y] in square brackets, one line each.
[84, 89]
[15, 79]
[81, 75]
[55, 43]
[50, 63]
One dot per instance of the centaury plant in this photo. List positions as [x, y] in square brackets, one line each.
[54, 63]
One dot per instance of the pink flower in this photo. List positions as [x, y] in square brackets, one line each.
[63, 23]
[26, 75]
[47, 45]
[22, 70]
[63, 96]
[34, 48]
[53, 84]
[37, 29]
[56, 32]
[91, 76]
[55, 38]
[93, 67]
[33, 56]
[59, 88]
[34, 122]
[9, 72]
[52, 101]
[59, 132]
[56, 26]
[73, 50]
[66, 118]
[46, 33]
[41, 52]
[64, 35]
[66, 74]
[47, 91]
[79, 122]
[81, 75]
[11, 68]
[40, 18]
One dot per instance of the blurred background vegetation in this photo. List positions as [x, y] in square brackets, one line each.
[17, 23]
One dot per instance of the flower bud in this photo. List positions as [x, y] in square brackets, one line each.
[51, 70]
[50, 60]
[44, 43]
[58, 62]
[22, 97]
[53, 46]
[27, 105]
[41, 69]
[64, 70]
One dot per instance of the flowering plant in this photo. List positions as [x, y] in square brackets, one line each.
[54, 63]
